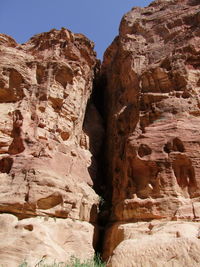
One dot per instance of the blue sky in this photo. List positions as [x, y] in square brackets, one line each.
[97, 19]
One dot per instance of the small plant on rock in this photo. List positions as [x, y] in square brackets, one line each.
[95, 262]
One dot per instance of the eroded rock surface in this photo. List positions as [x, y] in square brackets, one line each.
[51, 135]
[152, 71]
[45, 154]
[154, 244]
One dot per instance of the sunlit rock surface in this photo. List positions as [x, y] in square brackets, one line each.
[51, 138]
[152, 72]
[45, 158]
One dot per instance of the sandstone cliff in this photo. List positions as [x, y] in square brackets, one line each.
[47, 202]
[152, 72]
[52, 133]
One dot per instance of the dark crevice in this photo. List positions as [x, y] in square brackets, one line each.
[95, 127]
[6, 164]
[98, 93]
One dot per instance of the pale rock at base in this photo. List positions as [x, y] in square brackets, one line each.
[152, 77]
[45, 86]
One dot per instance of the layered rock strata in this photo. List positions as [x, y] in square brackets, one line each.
[152, 72]
[47, 203]
[51, 136]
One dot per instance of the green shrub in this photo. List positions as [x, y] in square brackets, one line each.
[24, 264]
[96, 262]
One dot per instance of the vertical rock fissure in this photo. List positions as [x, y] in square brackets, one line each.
[103, 157]
[95, 115]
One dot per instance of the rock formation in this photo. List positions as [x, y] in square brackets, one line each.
[152, 76]
[47, 202]
[51, 137]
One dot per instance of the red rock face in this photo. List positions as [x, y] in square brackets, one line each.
[45, 155]
[152, 71]
[51, 135]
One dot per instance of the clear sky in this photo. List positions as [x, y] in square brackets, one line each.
[97, 19]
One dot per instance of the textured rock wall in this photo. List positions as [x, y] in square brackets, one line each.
[47, 203]
[152, 71]
[51, 136]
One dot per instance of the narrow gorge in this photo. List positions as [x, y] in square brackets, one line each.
[103, 157]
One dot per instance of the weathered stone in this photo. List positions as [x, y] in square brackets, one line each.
[43, 238]
[155, 244]
[45, 85]
[51, 137]
[152, 100]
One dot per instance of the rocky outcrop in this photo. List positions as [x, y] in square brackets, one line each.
[152, 72]
[47, 202]
[154, 244]
[51, 137]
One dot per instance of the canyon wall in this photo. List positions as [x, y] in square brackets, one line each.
[152, 107]
[145, 164]
[47, 155]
